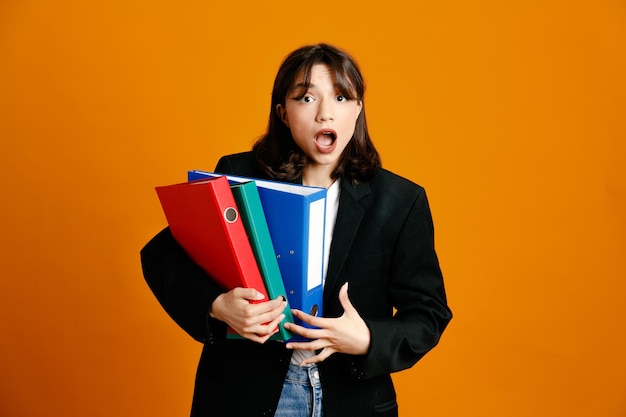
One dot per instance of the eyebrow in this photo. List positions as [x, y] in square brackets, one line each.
[302, 88]
[311, 85]
[303, 85]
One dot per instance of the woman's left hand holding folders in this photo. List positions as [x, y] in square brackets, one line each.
[254, 321]
[346, 334]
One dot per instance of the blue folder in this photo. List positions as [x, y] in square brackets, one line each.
[295, 216]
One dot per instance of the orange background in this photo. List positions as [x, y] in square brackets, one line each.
[510, 113]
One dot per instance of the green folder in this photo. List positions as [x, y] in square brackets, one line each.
[251, 211]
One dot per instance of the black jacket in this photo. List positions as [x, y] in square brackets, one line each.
[382, 245]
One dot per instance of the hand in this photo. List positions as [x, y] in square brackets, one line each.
[345, 334]
[257, 322]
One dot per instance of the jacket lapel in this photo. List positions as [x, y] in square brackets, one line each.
[349, 217]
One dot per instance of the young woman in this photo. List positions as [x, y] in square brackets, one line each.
[384, 298]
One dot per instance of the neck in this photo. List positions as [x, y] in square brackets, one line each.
[317, 177]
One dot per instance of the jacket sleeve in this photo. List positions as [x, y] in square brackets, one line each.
[182, 288]
[416, 291]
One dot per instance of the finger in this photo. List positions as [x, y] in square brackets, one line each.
[264, 325]
[272, 327]
[248, 294]
[312, 345]
[255, 338]
[278, 303]
[253, 315]
[323, 355]
[306, 331]
[258, 338]
[307, 318]
[345, 300]
[262, 329]
[269, 309]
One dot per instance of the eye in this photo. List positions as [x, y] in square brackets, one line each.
[342, 98]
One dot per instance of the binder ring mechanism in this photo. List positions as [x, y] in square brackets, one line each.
[230, 214]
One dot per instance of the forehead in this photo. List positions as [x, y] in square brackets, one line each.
[316, 71]
[319, 72]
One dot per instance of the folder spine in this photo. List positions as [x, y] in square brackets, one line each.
[249, 202]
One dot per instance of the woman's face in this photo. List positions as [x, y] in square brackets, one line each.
[322, 121]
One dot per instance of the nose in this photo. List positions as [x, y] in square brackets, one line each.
[325, 111]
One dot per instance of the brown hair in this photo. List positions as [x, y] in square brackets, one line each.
[277, 152]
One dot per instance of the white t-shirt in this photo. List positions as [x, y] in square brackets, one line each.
[332, 205]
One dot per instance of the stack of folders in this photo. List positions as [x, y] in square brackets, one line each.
[247, 232]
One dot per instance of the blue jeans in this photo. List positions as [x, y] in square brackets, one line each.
[302, 393]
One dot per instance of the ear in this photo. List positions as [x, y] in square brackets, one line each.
[282, 113]
[360, 107]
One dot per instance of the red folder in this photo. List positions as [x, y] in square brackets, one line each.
[204, 219]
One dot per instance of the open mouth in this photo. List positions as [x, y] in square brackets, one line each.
[326, 137]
